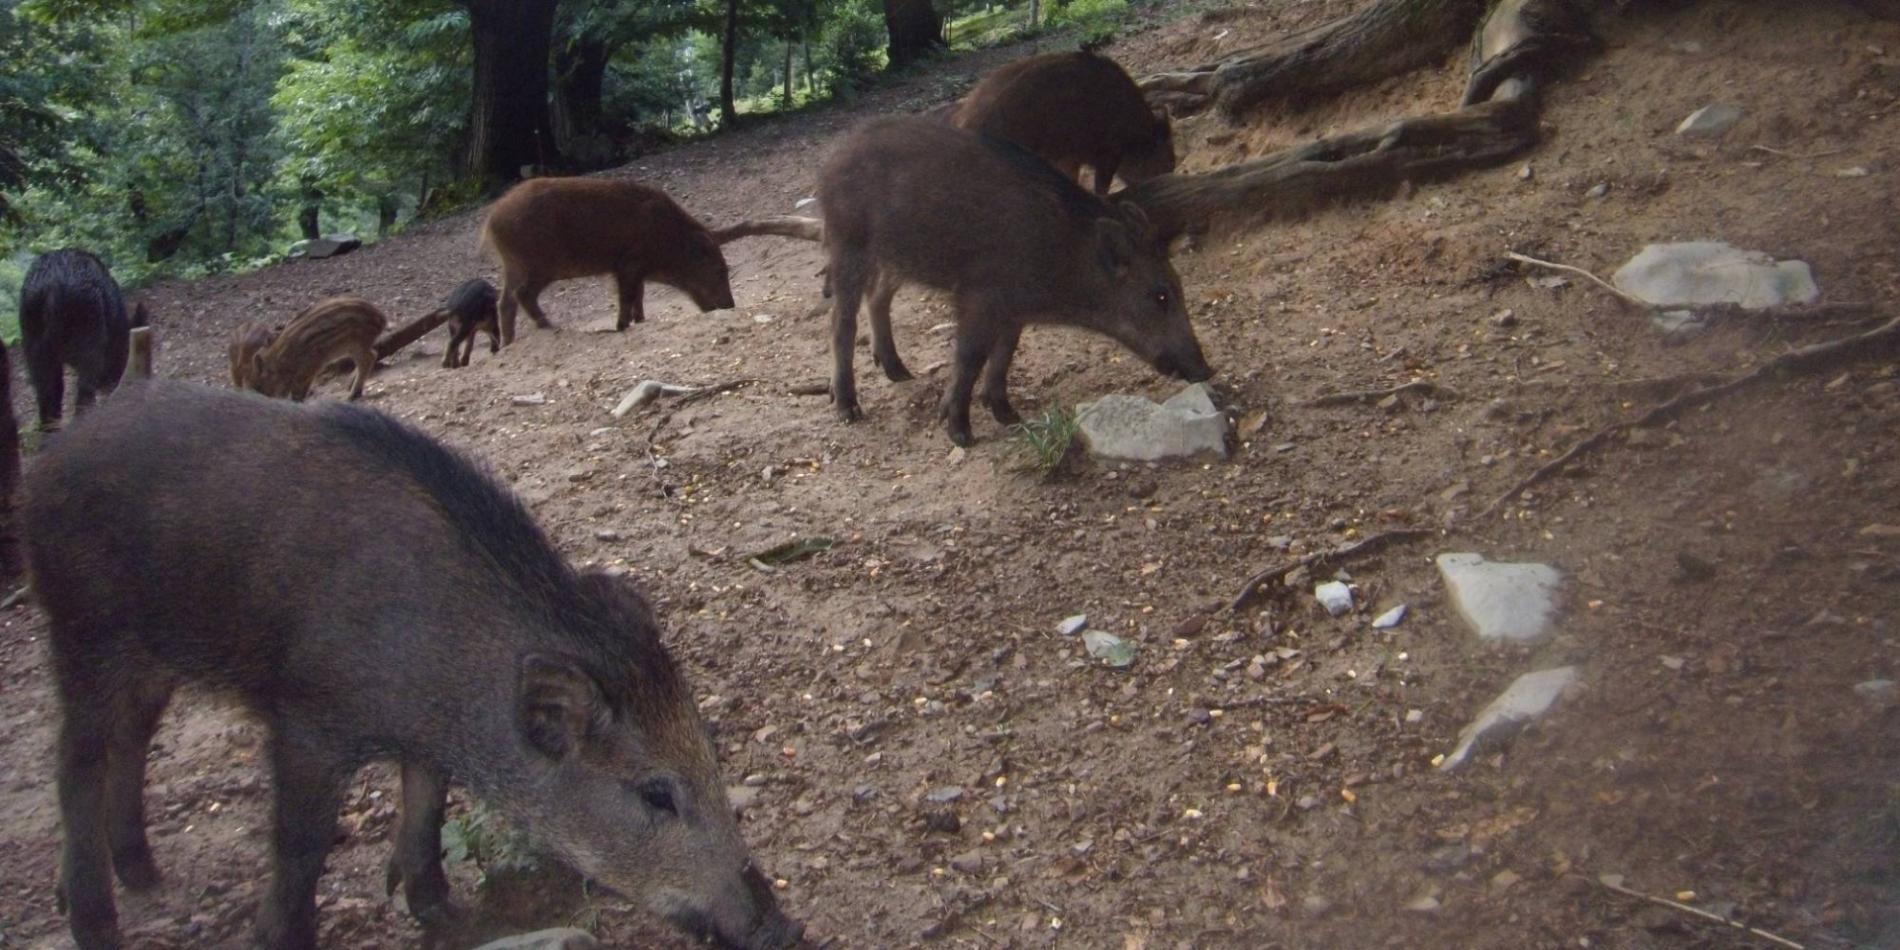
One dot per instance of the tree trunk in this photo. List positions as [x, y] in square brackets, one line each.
[387, 208]
[788, 71]
[310, 213]
[727, 113]
[808, 79]
[1035, 13]
[915, 29]
[580, 75]
[510, 127]
[1384, 39]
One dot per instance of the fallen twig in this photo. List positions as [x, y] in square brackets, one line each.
[1699, 912]
[811, 389]
[1419, 386]
[16, 598]
[1627, 298]
[653, 434]
[1806, 358]
[1796, 155]
[1332, 555]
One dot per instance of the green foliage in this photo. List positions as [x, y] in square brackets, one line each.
[1041, 445]
[484, 838]
[1093, 20]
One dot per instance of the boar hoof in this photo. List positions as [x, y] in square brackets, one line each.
[895, 370]
[1005, 413]
[850, 413]
[137, 872]
[961, 435]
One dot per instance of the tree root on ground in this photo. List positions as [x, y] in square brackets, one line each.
[1420, 386]
[1319, 558]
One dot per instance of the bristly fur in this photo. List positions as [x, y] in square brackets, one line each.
[610, 622]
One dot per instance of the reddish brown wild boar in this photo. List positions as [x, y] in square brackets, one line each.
[549, 229]
[1072, 109]
[1013, 242]
[327, 331]
[383, 600]
[247, 340]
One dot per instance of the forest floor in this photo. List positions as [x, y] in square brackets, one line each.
[1716, 749]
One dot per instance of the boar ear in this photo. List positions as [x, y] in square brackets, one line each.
[1115, 244]
[1136, 218]
[557, 705]
[1164, 130]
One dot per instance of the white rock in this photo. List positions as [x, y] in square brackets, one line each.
[1070, 626]
[531, 399]
[559, 938]
[1136, 429]
[1878, 693]
[1527, 698]
[1334, 596]
[1710, 121]
[1389, 619]
[803, 203]
[647, 391]
[1710, 272]
[1501, 601]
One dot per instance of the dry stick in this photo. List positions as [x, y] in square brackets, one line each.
[1379, 540]
[1420, 386]
[1630, 299]
[1706, 915]
[1797, 155]
[1812, 356]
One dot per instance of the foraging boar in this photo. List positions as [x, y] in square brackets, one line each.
[1014, 243]
[72, 314]
[1072, 109]
[247, 340]
[427, 620]
[471, 307]
[549, 229]
[327, 331]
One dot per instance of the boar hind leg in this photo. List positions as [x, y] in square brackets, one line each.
[85, 875]
[632, 292]
[505, 309]
[996, 376]
[976, 338]
[848, 284]
[365, 362]
[883, 344]
[530, 296]
[48, 377]
[140, 708]
[308, 780]
[416, 862]
[457, 334]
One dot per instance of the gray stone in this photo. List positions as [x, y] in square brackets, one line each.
[1108, 648]
[1527, 698]
[1136, 429]
[944, 794]
[1880, 694]
[1389, 619]
[331, 245]
[742, 797]
[1710, 122]
[1511, 602]
[1070, 626]
[1334, 596]
[559, 938]
[1712, 272]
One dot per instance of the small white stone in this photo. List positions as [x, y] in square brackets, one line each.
[1070, 626]
[1334, 596]
[1389, 619]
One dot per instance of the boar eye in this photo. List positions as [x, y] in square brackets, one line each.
[1161, 298]
[657, 793]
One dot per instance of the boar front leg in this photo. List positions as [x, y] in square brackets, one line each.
[996, 375]
[883, 344]
[416, 861]
[976, 338]
[365, 360]
[309, 780]
[632, 289]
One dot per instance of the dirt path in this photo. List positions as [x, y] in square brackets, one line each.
[1203, 798]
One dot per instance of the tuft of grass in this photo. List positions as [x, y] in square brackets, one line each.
[484, 838]
[1043, 443]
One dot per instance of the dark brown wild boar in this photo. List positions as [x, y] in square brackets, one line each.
[1072, 109]
[549, 229]
[248, 339]
[384, 600]
[327, 331]
[472, 308]
[72, 313]
[1013, 242]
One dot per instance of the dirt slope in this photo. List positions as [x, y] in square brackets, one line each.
[1717, 745]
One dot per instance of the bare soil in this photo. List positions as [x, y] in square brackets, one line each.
[1716, 751]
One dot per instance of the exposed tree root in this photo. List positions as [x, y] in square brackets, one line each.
[1419, 386]
[654, 461]
[1807, 359]
[1322, 558]
[784, 225]
[1366, 163]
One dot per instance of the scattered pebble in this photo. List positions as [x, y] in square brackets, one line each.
[531, 399]
[1070, 626]
[1712, 121]
[1389, 619]
[1334, 596]
[944, 794]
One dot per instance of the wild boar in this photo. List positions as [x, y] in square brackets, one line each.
[327, 331]
[384, 599]
[549, 229]
[72, 313]
[248, 339]
[1013, 242]
[1072, 109]
[471, 307]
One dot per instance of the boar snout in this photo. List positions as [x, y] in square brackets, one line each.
[749, 919]
[1185, 363]
[721, 300]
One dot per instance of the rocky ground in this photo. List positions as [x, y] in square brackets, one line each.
[926, 760]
